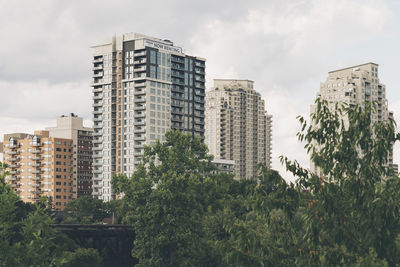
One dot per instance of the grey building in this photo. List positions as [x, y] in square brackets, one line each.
[238, 128]
[142, 87]
[356, 85]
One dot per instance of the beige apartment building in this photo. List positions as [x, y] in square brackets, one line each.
[40, 165]
[237, 126]
[356, 85]
[71, 127]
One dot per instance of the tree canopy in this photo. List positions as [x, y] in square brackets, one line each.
[186, 213]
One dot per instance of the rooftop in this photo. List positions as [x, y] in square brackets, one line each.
[352, 67]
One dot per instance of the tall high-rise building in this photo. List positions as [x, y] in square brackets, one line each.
[237, 126]
[40, 165]
[71, 127]
[356, 85]
[142, 87]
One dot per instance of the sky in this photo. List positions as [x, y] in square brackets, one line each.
[286, 47]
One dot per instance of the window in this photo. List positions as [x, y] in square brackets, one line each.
[152, 57]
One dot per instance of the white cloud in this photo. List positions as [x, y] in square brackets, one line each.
[288, 50]
[41, 100]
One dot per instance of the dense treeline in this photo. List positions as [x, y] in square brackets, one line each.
[186, 214]
[27, 238]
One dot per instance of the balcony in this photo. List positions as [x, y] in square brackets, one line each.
[177, 119]
[199, 107]
[139, 154]
[37, 164]
[177, 59]
[36, 171]
[140, 115]
[97, 141]
[140, 130]
[36, 151]
[199, 64]
[137, 160]
[98, 90]
[36, 178]
[198, 129]
[139, 123]
[177, 104]
[98, 125]
[199, 71]
[97, 179]
[12, 146]
[140, 54]
[97, 148]
[98, 97]
[14, 172]
[98, 119]
[139, 92]
[178, 81]
[97, 111]
[98, 60]
[36, 192]
[98, 67]
[96, 155]
[140, 69]
[97, 171]
[140, 138]
[199, 114]
[13, 159]
[200, 94]
[36, 185]
[141, 61]
[140, 84]
[36, 144]
[37, 157]
[14, 166]
[178, 74]
[98, 104]
[142, 107]
[12, 152]
[140, 100]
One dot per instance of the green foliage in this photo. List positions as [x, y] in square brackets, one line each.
[258, 228]
[184, 214]
[165, 201]
[353, 208]
[85, 210]
[81, 257]
[26, 235]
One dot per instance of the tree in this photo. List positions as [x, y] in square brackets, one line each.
[85, 210]
[82, 257]
[259, 229]
[165, 201]
[26, 235]
[353, 208]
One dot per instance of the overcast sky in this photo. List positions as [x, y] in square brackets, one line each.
[286, 46]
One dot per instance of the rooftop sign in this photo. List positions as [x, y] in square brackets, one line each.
[161, 46]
